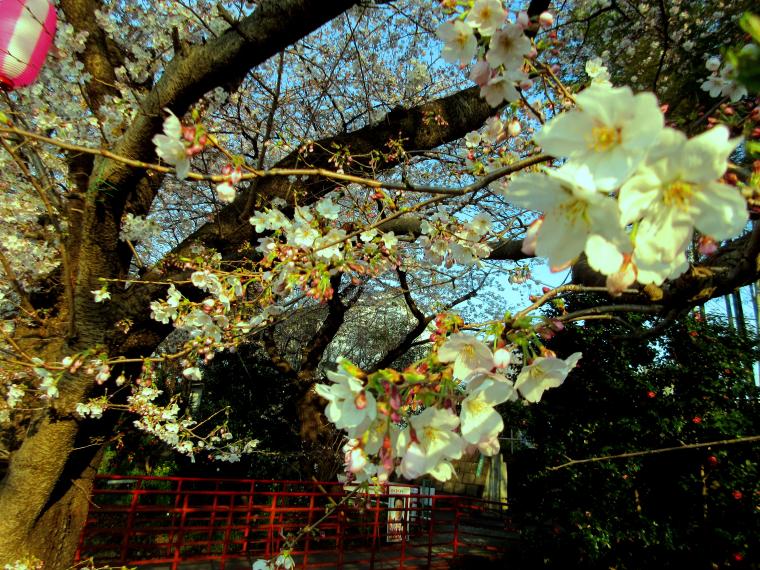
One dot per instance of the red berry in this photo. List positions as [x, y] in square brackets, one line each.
[737, 495]
[712, 461]
[696, 420]
[651, 394]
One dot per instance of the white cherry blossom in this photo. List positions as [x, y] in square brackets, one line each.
[544, 373]
[350, 407]
[676, 191]
[169, 146]
[500, 88]
[225, 192]
[486, 16]
[434, 445]
[508, 47]
[610, 132]
[574, 210]
[459, 43]
[480, 422]
[467, 353]
[328, 209]
[101, 295]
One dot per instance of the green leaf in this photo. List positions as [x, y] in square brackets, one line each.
[750, 23]
[753, 148]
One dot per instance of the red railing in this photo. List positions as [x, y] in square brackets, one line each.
[140, 521]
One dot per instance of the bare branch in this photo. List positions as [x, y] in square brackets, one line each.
[747, 439]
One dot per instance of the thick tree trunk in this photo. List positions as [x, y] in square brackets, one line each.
[44, 497]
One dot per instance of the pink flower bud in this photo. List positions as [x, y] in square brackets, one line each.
[395, 399]
[546, 19]
[533, 53]
[526, 84]
[707, 245]
[502, 358]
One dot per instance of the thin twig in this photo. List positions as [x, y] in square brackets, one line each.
[284, 172]
[747, 439]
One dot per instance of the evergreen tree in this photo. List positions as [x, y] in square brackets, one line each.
[690, 508]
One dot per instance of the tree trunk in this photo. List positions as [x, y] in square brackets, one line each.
[44, 497]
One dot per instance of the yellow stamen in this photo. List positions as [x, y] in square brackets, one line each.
[476, 406]
[603, 138]
[678, 195]
[575, 209]
[431, 434]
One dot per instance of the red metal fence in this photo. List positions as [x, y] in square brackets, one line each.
[167, 521]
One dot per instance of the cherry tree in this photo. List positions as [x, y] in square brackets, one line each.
[186, 176]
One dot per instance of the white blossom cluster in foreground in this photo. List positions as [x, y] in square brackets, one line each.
[631, 192]
[418, 421]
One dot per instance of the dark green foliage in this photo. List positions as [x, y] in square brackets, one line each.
[255, 401]
[263, 405]
[696, 508]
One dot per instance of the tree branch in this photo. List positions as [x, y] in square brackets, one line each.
[411, 337]
[572, 462]
[326, 333]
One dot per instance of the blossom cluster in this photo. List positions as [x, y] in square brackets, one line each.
[500, 70]
[632, 191]
[164, 422]
[722, 81]
[447, 240]
[309, 249]
[138, 229]
[418, 421]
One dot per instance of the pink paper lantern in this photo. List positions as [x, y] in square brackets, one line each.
[27, 28]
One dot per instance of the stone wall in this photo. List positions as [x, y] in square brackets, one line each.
[466, 481]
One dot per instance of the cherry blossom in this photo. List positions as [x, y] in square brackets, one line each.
[574, 210]
[500, 88]
[170, 148]
[101, 295]
[508, 47]
[433, 446]
[459, 41]
[467, 353]
[480, 422]
[351, 407]
[328, 209]
[610, 132]
[677, 190]
[486, 16]
[544, 373]
[225, 192]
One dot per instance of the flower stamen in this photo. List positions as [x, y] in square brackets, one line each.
[678, 195]
[603, 138]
